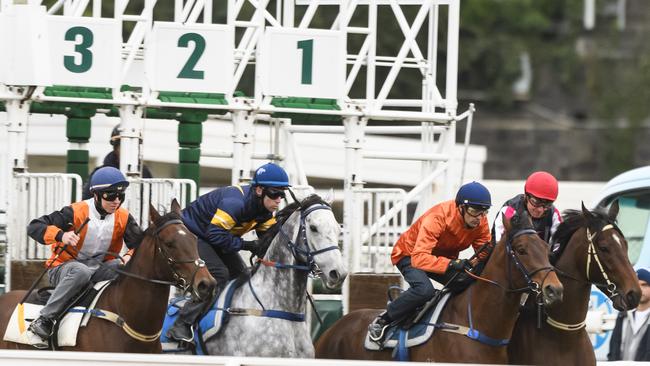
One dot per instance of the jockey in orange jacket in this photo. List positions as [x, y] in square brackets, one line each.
[76, 256]
[429, 250]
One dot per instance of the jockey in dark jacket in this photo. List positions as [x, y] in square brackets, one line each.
[219, 219]
[540, 191]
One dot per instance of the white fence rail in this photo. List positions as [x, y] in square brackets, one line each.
[37, 194]
[159, 192]
[379, 236]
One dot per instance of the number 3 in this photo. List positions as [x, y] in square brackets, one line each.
[82, 48]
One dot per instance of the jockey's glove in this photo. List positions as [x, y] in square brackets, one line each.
[252, 246]
[458, 265]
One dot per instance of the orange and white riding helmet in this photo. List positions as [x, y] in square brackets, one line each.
[542, 185]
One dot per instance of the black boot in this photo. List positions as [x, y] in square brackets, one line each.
[42, 327]
[188, 315]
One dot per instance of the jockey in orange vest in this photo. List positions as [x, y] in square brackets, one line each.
[89, 255]
[429, 249]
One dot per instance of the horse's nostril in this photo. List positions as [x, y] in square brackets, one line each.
[633, 299]
[334, 275]
[553, 294]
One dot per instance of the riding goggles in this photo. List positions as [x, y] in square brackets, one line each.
[111, 196]
[538, 202]
[475, 211]
[274, 193]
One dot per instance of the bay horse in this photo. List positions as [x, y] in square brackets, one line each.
[592, 251]
[518, 265]
[304, 240]
[167, 256]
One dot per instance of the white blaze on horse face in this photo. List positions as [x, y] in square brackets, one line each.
[618, 239]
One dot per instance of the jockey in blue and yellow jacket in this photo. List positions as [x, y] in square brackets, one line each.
[222, 216]
[219, 219]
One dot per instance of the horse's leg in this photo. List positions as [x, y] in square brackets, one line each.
[8, 302]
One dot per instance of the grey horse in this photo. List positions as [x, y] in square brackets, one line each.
[304, 240]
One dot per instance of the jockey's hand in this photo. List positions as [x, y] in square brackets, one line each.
[252, 246]
[459, 265]
[70, 238]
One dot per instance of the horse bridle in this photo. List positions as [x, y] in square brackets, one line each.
[531, 285]
[309, 264]
[591, 252]
[180, 281]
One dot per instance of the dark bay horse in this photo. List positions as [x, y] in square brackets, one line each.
[166, 256]
[518, 262]
[592, 251]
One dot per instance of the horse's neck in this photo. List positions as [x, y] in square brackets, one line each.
[282, 289]
[494, 311]
[138, 297]
[572, 267]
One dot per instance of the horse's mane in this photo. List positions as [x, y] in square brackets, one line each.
[572, 220]
[284, 214]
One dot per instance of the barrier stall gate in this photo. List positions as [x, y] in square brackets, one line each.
[291, 65]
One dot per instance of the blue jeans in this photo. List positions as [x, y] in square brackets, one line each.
[420, 291]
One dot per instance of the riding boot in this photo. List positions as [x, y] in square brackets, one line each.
[42, 327]
[188, 315]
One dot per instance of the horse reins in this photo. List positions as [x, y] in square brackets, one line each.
[181, 282]
[309, 265]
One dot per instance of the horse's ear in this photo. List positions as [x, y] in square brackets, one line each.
[153, 213]
[329, 196]
[507, 224]
[586, 212]
[613, 210]
[176, 207]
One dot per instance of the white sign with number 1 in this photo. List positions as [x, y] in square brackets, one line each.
[302, 63]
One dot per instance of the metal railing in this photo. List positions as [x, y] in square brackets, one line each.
[158, 192]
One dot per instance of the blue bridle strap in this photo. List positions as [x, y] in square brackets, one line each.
[476, 334]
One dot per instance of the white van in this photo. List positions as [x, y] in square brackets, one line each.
[632, 189]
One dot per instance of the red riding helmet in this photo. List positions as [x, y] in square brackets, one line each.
[542, 185]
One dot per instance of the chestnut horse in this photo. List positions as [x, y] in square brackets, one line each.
[166, 256]
[593, 251]
[517, 266]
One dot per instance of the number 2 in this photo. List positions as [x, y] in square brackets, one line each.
[188, 71]
[307, 47]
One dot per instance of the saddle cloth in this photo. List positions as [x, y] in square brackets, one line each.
[416, 335]
[66, 328]
[209, 325]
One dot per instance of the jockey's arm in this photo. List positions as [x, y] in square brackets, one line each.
[133, 233]
[224, 220]
[49, 229]
[422, 256]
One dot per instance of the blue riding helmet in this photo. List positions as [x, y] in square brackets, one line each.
[474, 194]
[270, 175]
[108, 179]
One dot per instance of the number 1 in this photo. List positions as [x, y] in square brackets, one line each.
[307, 47]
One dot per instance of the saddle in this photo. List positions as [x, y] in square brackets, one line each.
[67, 324]
[413, 330]
[211, 322]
